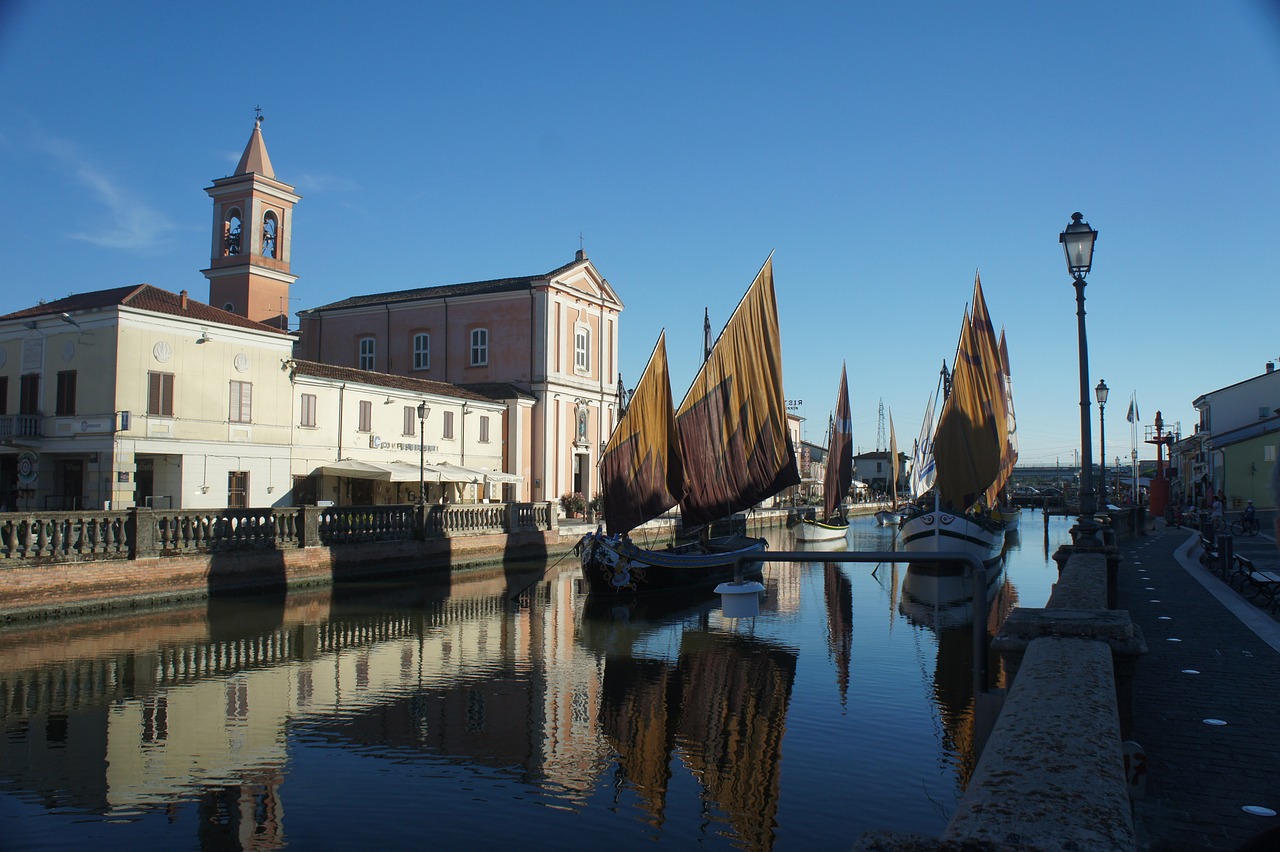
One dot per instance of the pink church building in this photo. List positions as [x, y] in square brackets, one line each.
[544, 345]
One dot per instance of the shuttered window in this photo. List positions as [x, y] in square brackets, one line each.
[160, 394]
[241, 408]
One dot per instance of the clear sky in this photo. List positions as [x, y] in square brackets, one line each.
[884, 151]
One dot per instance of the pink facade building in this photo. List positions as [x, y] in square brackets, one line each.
[546, 345]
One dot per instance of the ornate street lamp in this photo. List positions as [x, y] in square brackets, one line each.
[1077, 243]
[423, 411]
[1100, 393]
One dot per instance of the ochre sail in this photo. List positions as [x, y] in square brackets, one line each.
[839, 476]
[736, 447]
[1009, 456]
[993, 381]
[967, 444]
[893, 462]
[640, 469]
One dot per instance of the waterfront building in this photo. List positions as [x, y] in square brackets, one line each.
[545, 345]
[138, 396]
[1233, 449]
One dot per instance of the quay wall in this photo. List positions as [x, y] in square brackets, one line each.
[1051, 775]
[65, 563]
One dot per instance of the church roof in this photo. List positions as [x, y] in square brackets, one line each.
[500, 390]
[383, 380]
[473, 288]
[254, 159]
[143, 297]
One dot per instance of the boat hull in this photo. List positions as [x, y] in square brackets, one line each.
[934, 532]
[1009, 516]
[886, 518]
[616, 567]
[810, 530]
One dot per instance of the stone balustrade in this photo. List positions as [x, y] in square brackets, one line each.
[60, 536]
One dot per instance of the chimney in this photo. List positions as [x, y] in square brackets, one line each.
[1271, 366]
[182, 299]
[580, 255]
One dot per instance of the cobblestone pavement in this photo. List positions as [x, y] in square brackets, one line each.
[1206, 695]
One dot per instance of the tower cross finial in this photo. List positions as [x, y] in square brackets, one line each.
[257, 115]
[580, 246]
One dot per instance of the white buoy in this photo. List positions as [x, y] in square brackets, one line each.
[740, 600]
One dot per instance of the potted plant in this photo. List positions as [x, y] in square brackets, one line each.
[573, 504]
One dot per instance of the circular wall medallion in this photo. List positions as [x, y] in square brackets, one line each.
[162, 351]
[4, 356]
[241, 362]
[68, 351]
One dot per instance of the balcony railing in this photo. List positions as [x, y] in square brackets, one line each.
[54, 536]
[19, 426]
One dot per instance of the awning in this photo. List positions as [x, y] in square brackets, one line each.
[353, 469]
[457, 473]
[396, 471]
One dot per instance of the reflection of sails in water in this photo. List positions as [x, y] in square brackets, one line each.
[942, 601]
[722, 708]
[837, 593]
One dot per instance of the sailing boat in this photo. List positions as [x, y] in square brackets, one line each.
[968, 449]
[892, 516]
[839, 478]
[1004, 510]
[724, 450]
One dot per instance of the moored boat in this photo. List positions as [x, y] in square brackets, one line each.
[834, 525]
[723, 451]
[968, 448]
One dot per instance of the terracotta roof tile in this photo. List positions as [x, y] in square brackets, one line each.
[473, 288]
[146, 298]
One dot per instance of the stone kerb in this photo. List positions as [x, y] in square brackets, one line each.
[1052, 774]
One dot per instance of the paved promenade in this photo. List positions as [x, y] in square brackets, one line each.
[1213, 655]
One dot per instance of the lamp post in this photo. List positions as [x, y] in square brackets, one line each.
[423, 411]
[1077, 243]
[1100, 394]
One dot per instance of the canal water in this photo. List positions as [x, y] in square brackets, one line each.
[504, 708]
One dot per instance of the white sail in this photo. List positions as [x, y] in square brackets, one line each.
[923, 471]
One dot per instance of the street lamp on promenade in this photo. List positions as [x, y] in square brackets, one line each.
[1077, 243]
[1100, 393]
[423, 411]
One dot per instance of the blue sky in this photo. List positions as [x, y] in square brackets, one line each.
[885, 152]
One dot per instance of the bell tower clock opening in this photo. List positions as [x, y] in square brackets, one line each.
[249, 270]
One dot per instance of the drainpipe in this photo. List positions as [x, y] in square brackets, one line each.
[387, 358]
[446, 339]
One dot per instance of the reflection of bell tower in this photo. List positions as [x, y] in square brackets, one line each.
[252, 237]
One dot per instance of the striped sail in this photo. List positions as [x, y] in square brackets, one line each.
[732, 423]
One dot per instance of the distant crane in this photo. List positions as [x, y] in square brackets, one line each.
[880, 442]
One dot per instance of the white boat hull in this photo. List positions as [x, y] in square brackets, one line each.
[812, 531]
[935, 532]
[886, 518]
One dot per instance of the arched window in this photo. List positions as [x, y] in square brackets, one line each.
[422, 351]
[366, 353]
[479, 347]
[229, 307]
[231, 233]
[270, 232]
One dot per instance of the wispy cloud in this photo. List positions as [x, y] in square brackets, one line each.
[321, 182]
[126, 222]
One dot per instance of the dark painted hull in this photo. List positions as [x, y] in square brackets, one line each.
[614, 567]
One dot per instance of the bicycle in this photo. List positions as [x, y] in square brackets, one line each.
[1244, 526]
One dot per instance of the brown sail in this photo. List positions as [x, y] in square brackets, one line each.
[732, 423]
[966, 446]
[640, 469]
[839, 476]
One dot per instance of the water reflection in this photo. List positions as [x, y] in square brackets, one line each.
[238, 724]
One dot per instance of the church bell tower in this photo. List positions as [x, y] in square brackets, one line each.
[252, 236]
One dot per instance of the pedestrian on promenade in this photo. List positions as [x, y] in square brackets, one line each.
[1217, 511]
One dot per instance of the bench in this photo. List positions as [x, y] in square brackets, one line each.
[1264, 583]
